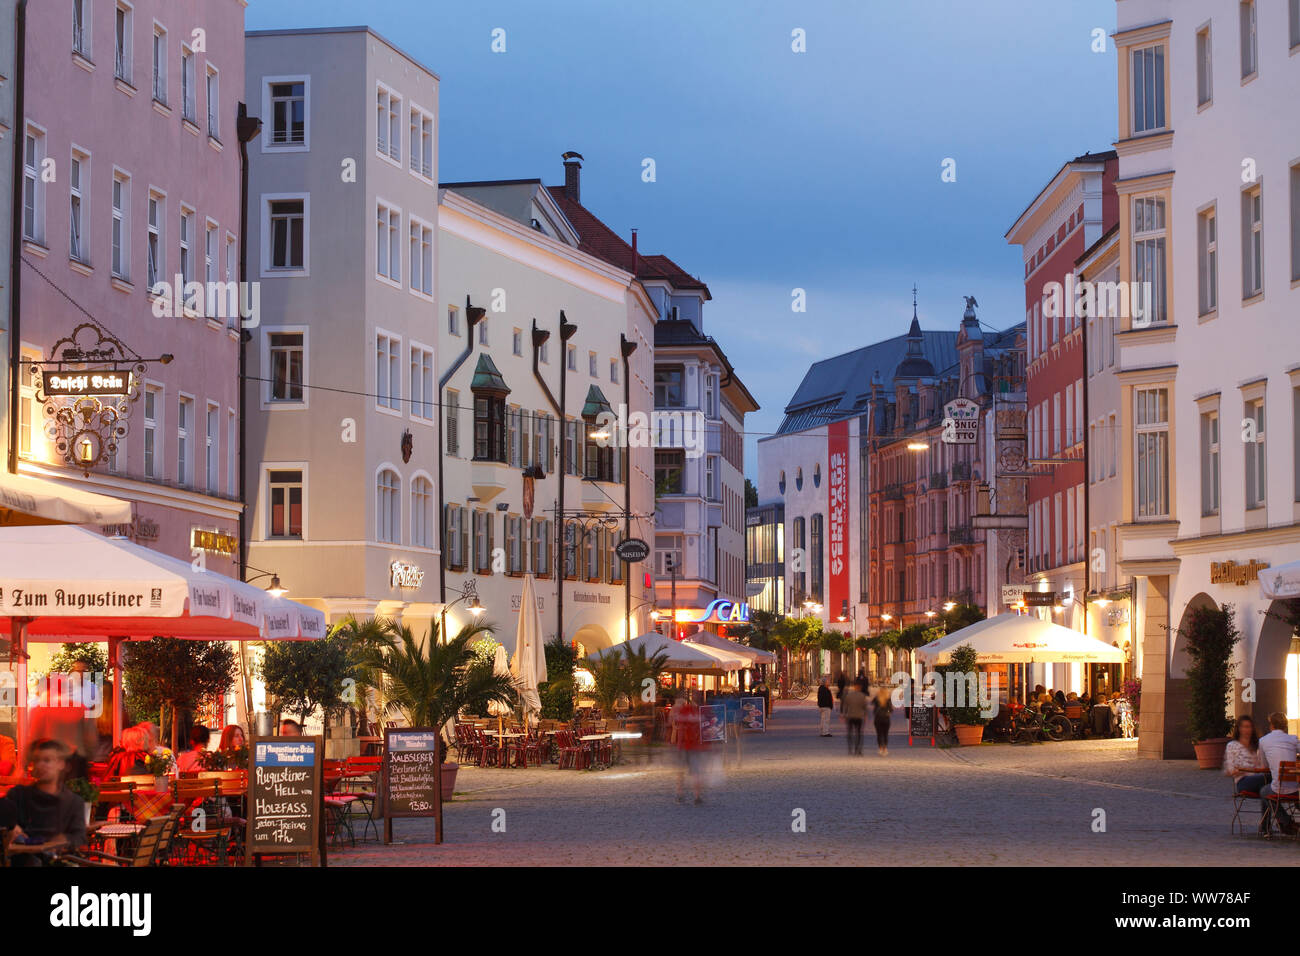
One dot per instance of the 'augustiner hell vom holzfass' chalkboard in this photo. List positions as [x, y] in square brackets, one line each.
[410, 785]
[284, 795]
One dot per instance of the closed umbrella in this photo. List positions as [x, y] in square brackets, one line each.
[529, 664]
[500, 668]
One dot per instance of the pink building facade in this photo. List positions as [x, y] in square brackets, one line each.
[131, 177]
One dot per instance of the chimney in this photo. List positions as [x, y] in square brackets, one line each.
[634, 253]
[573, 175]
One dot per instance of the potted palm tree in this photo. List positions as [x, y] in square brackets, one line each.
[428, 681]
[1210, 634]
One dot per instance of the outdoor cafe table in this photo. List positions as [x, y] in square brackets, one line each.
[508, 735]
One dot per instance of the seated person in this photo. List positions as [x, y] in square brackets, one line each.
[1243, 761]
[192, 760]
[1278, 746]
[290, 728]
[128, 759]
[47, 817]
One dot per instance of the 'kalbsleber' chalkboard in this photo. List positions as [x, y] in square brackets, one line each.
[284, 797]
[920, 722]
[411, 784]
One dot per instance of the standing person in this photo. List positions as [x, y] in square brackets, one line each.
[825, 705]
[840, 683]
[883, 707]
[853, 708]
[690, 747]
[46, 814]
[1277, 746]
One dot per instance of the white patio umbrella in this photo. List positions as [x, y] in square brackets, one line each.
[529, 663]
[684, 657]
[752, 655]
[63, 583]
[1282, 581]
[25, 500]
[1012, 638]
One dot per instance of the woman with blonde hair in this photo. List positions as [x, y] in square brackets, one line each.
[129, 758]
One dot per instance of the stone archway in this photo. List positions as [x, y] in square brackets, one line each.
[593, 637]
[1177, 740]
[1268, 668]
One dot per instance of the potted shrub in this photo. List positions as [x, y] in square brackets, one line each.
[87, 791]
[967, 720]
[1211, 635]
[430, 682]
[158, 765]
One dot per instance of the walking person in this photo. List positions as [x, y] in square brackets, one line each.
[883, 707]
[690, 746]
[853, 708]
[825, 706]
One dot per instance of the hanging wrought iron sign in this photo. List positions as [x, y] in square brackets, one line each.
[87, 388]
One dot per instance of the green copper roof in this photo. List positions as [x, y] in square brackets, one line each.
[487, 377]
[596, 403]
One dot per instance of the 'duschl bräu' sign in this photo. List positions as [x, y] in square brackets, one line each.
[284, 795]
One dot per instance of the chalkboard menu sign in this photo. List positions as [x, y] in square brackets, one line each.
[412, 782]
[284, 796]
[920, 722]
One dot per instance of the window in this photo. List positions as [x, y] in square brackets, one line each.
[422, 384]
[153, 399]
[613, 371]
[33, 187]
[388, 375]
[29, 410]
[489, 426]
[1256, 462]
[815, 558]
[1207, 235]
[212, 94]
[517, 342]
[1204, 67]
[78, 187]
[669, 471]
[121, 227]
[454, 532]
[1113, 426]
[1293, 22]
[668, 386]
[421, 254]
[1149, 259]
[287, 355]
[1295, 439]
[1249, 43]
[421, 143]
[1151, 475]
[482, 331]
[541, 546]
[81, 27]
[388, 125]
[453, 320]
[1148, 86]
[544, 353]
[711, 477]
[211, 439]
[187, 238]
[1210, 463]
[1252, 242]
[232, 487]
[160, 64]
[484, 528]
[388, 251]
[288, 109]
[593, 365]
[1056, 422]
[1295, 220]
[285, 494]
[421, 512]
[122, 22]
[388, 507]
[156, 250]
[572, 359]
[452, 431]
[188, 98]
[184, 426]
[288, 219]
[541, 429]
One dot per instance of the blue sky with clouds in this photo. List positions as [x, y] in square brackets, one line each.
[775, 170]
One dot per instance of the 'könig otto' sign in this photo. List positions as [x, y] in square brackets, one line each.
[960, 421]
[110, 381]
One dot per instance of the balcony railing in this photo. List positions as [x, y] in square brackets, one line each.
[938, 479]
[961, 471]
[961, 534]
[894, 492]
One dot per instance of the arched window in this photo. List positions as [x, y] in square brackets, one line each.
[422, 530]
[817, 475]
[781, 483]
[388, 507]
[798, 479]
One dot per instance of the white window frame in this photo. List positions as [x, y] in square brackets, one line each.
[388, 130]
[1204, 66]
[158, 63]
[119, 251]
[211, 265]
[34, 224]
[1248, 25]
[212, 447]
[389, 403]
[388, 243]
[388, 514]
[189, 84]
[268, 271]
[1256, 457]
[268, 114]
[517, 342]
[1146, 241]
[1207, 260]
[1147, 502]
[613, 371]
[185, 243]
[30, 413]
[264, 483]
[212, 99]
[155, 235]
[453, 320]
[422, 513]
[232, 431]
[185, 433]
[1159, 118]
[79, 204]
[83, 32]
[1211, 463]
[1252, 241]
[422, 409]
[423, 273]
[482, 327]
[123, 53]
[268, 402]
[153, 429]
[416, 157]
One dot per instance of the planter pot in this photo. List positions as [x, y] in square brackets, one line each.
[968, 735]
[159, 784]
[88, 808]
[449, 771]
[1209, 753]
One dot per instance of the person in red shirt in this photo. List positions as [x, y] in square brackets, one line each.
[690, 746]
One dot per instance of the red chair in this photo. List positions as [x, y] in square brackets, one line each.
[572, 752]
[1288, 771]
[489, 749]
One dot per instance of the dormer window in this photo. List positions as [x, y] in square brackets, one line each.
[490, 391]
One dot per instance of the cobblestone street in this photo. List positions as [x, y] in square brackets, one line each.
[994, 804]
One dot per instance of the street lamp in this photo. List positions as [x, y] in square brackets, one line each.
[469, 594]
[275, 589]
[929, 614]
[949, 605]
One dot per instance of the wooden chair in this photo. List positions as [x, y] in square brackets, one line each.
[149, 844]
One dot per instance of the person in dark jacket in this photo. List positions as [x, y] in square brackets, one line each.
[854, 710]
[47, 817]
[840, 683]
[825, 706]
[883, 707]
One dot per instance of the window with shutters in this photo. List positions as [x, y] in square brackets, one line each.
[483, 543]
[541, 544]
[451, 417]
[453, 544]
[514, 545]
[570, 546]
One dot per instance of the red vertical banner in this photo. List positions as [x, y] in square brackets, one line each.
[837, 440]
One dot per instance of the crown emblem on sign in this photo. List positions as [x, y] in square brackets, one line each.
[963, 412]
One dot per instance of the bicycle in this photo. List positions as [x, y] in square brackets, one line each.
[796, 690]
